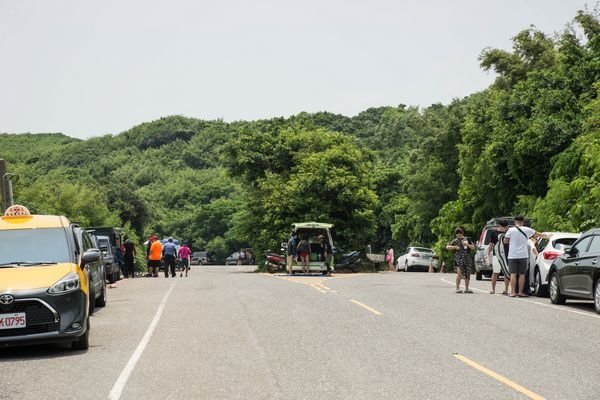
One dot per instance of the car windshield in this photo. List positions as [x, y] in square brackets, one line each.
[33, 246]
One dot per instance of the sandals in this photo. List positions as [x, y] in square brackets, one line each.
[492, 292]
[468, 291]
[504, 292]
[458, 291]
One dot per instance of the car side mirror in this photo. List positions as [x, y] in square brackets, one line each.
[90, 256]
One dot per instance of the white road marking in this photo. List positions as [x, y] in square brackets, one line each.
[119, 385]
[374, 311]
[524, 299]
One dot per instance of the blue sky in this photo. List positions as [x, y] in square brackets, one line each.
[93, 68]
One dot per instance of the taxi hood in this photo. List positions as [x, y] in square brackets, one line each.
[33, 277]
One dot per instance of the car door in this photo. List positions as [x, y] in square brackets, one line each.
[586, 270]
[571, 280]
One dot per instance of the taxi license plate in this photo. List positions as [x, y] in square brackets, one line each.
[12, 321]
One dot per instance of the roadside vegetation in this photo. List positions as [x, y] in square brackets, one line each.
[529, 144]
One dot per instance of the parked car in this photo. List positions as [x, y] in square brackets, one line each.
[416, 257]
[311, 232]
[548, 250]
[202, 258]
[45, 280]
[576, 273]
[481, 268]
[96, 271]
[111, 264]
[233, 259]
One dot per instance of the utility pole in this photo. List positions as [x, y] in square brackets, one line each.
[4, 196]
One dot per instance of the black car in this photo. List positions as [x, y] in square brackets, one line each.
[95, 270]
[576, 274]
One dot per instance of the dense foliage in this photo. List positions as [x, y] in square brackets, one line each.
[528, 144]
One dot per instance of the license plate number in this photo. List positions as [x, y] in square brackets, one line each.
[12, 321]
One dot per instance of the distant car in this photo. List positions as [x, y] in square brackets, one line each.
[576, 273]
[416, 257]
[202, 258]
[548, 250]
[233, 259]
[111, 266]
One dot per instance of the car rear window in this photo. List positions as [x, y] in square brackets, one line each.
[488, 235]
[423, 250]
[564, 241]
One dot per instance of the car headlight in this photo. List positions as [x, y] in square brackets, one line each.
[69, 283]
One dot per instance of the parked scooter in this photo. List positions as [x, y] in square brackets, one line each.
[351, 260]
[275, 262]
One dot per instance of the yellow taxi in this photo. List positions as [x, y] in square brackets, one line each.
[44, 283]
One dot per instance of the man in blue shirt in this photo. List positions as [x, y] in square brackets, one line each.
[169, 257]
[292, 252]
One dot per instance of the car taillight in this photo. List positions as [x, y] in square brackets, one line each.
[551, 255]
[414, 255]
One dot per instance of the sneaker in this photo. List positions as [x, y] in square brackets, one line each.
[180, 275]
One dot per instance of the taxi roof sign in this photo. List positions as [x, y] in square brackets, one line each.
[17, 211]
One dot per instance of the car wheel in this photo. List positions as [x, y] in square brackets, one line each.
[597, 296]
[83, 342]
[111, 278]
[478, 275]
[101, 301]
[555, 296]
[539, 289]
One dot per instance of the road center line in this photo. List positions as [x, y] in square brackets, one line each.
[374, 311]
[119, 385]
[499, 377]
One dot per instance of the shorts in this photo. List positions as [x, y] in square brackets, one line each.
[184, 263]
[303, 255]
[154, 264]
[496, 267]
[518, 265]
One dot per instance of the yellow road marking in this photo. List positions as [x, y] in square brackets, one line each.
[374, 311]
[499, 378]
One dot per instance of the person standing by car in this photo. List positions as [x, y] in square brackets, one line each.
[292, 252]
[154, 256]
[462, 258]
[325, 253]
[517, 237]
[241, 257]
[304, 252]
[129, 250]
[184, 259]
[491, 258]
[169, 257]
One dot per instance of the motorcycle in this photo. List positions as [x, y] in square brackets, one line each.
[351, 260]
[275, 262]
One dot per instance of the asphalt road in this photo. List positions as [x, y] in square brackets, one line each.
[225, 333]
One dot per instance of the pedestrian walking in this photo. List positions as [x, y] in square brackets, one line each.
[492, 257]
[462, 258]
[184, 259]
[154, 256]
[129, 256]
[169, 257]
